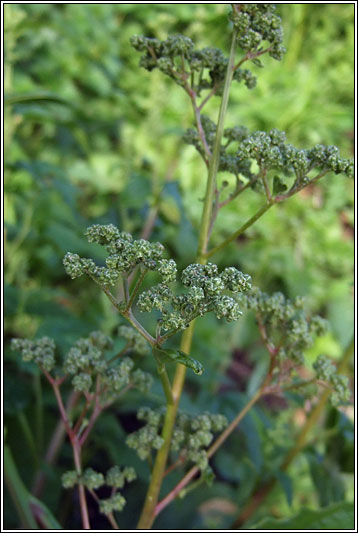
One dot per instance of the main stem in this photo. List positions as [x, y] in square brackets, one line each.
[148, 512]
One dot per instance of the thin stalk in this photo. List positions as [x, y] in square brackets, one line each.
[215, 159]
[81, 488]
[241, 230]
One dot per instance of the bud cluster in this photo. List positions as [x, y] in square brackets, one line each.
[327, 372]
[41, 351]
[191, 435]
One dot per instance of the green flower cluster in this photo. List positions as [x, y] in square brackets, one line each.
[87, 358]
[191, 435]
[41, 351]
[116, 478]
[205, 293]
[125, 254]
[271, 153]
[326, 371]
[256, 24]
[177, 58]
[287, 328]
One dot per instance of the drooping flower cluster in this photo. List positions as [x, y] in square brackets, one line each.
[116, 478]
[327, 372]
[206, 289]
[191, 435]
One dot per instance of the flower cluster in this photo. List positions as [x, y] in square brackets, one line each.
[206, 289]
[270, 152]
[125, 254]
[177, 58]
[191, 435]
[327, 372]
[87, 358]
[287, 329]
[116, 478]
[41, 351]
[257, 24]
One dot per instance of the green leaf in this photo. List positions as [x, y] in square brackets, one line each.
[177, 356]
[43, 514]
[29, 98]
[338, 516]
[286, 484]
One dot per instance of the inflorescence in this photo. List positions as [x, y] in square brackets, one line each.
[191, 435]
[241, 152]
[206, 288]
[86, 360]
[256, 24]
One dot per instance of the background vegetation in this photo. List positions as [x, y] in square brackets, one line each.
[92, 138]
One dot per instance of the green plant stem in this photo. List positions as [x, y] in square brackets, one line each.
[25, 426]
[261, 494]
[241, 230]
[215, 158]
[148, 512]
[39, 410]
[165, 380]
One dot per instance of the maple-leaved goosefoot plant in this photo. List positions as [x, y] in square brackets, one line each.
[263, 162]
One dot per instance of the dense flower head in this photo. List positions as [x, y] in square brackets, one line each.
[134, 339]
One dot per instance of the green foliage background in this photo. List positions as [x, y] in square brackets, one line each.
[91, 138]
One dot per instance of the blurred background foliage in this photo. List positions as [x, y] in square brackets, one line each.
[92, 138]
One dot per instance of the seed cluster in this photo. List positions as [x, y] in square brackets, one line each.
[191, 435]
